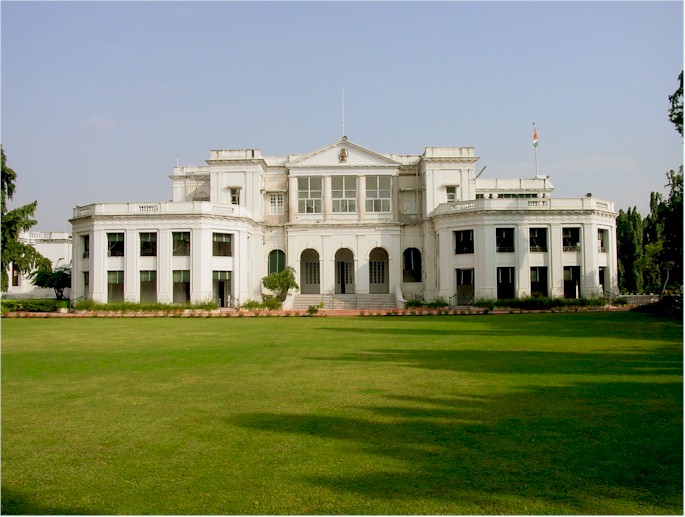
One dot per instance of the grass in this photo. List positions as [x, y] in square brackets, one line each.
[577, 413]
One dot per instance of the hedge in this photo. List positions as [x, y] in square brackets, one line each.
[32, 305]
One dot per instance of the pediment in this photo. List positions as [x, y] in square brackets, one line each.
[342, 153]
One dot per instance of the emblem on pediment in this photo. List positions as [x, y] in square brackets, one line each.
[342, 155]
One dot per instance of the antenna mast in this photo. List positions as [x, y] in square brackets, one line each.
[342, 109]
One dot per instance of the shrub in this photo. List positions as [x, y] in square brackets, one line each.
[29, 305]
[90, 305]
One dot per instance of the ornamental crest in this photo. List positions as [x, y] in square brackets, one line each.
[342, 155]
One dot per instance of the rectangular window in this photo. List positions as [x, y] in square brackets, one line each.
[16, 276]
[276, 204]
[221, 245]
[148, 286]
[115, 286]
[378, 193]
[115, 244]
[86, 283]
[451, 193]
[344, 193]
[181, 285]
[571, 239]
[505, 283]
[602, 240]
[234, 193]
[505, 240]
[464, 241]
[148, 244]
[538, 281]
[309, 195]
[181, 244]
[85, 245]
[538, 239]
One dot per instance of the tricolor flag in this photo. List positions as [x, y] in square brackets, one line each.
[535, 137]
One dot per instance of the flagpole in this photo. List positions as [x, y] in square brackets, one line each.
[535, 146]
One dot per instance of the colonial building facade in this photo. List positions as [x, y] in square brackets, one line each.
[350, 221]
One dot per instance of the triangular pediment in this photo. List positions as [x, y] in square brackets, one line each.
[342, 153]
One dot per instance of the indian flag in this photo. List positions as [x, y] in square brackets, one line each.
[535, 137]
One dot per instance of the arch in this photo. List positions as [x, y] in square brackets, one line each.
[411, 265]
[310, 273]
[344, 271]
[276, 261]
[378, 271]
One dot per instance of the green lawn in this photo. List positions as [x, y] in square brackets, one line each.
[577, 413]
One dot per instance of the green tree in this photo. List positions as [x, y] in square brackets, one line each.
[281, 282]
[58, 279]
[629, 235]
[23, 256]
[675, 113]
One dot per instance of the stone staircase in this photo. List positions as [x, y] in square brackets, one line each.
[302, 302]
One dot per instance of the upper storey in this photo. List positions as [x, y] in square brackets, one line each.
[338, 183]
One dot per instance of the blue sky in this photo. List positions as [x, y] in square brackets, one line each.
[99, 98]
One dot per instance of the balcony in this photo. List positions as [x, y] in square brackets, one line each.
[143, 209]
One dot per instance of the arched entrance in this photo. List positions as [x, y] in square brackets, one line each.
[378, 271]
[344, 271]
[310, 274]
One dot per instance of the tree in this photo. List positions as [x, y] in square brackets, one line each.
[281, 282]
[629, 234]
[675, 113]
[23, 256]
[58, 279]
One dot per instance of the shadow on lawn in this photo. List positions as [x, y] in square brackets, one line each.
[18, 503]
[591, 447]
[667, 362]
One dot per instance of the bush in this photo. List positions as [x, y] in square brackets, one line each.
[538, 303]
[29, 305]
[90, 305]
[269, 304]
[668, 306]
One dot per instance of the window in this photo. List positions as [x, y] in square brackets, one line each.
[412, 265]
[505, 240]
[276, 261]
[86, 283]
[344, 193]
[16, 276]
[464, 241]
[378, 193]
[181, 280]
[180, 244]
[505, 283]
[538, 239]
[148, 286]
[309, 195]
[602, 240]
[148, 244]
[85, 245]
[538, 281]
[115, 286]
[115, 244]
[276, 204]
[571, 239]
[451, 193]
[234, 193]
[221, 245]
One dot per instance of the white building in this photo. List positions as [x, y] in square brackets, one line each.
[55, 246]
[350, 221]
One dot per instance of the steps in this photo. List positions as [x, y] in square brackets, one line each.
[345, 301]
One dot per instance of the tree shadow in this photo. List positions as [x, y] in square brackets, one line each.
[663, 361]
[599, 448]
[609, 441]
[15, 502]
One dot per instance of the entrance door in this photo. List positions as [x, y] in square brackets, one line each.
[378, 271]
[344, 272]
[310, 276]
[222, 288]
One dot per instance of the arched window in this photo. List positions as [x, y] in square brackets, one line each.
[276, 261]
[412, 265]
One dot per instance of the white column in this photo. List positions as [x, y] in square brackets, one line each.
[292, 198]
[164, 285]
[361, 197]
[327, 201]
